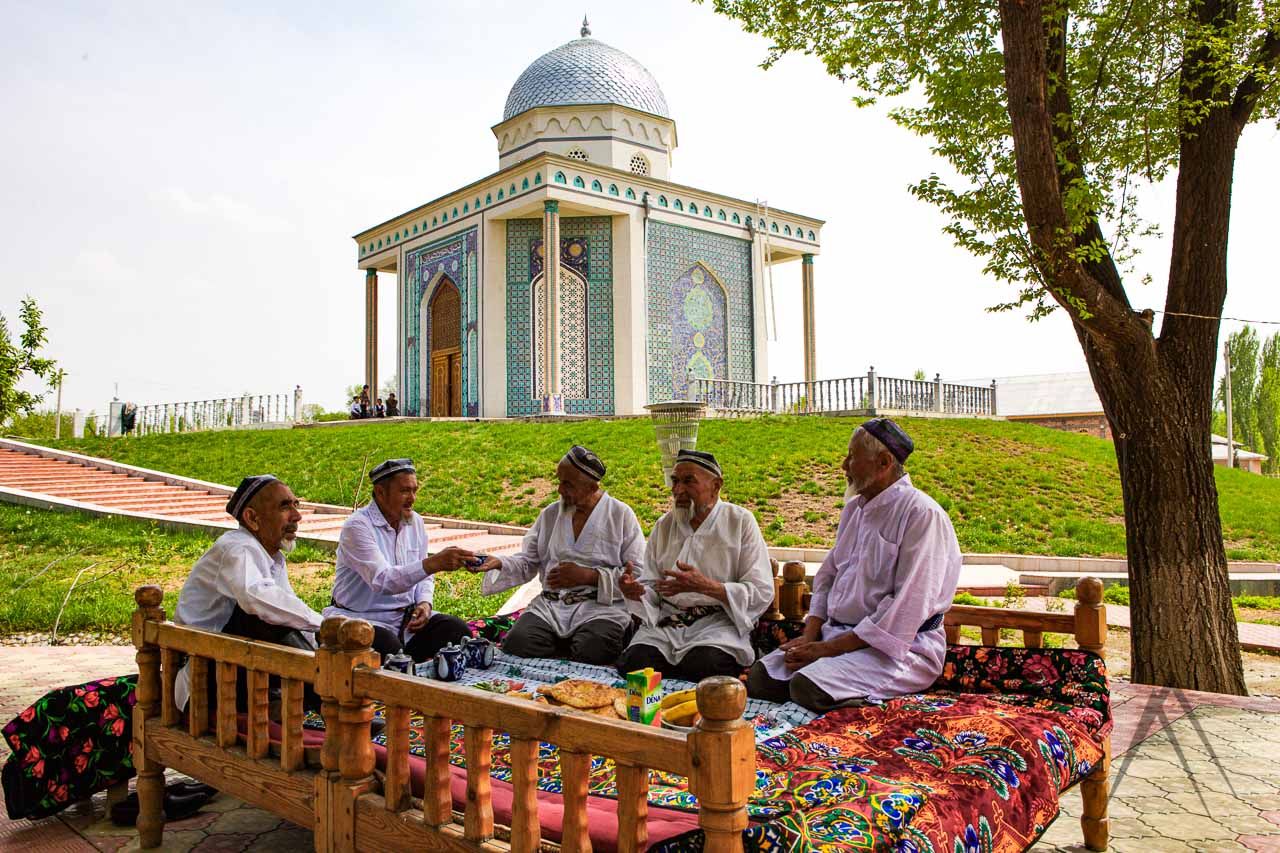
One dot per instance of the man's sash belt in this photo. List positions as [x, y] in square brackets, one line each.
[687, 616]
[569, 596]
[933, 623]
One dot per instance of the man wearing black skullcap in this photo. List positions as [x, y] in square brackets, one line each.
[240, 586]
[705, 583]
[874, 629]
[384, 573]
[578, 548]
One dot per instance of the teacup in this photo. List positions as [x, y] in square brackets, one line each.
[451, 663]
[479, 652]
[426, 669]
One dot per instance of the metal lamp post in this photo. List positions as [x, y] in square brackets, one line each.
[675, 425]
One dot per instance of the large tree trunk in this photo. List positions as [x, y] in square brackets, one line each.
[1183, 629]
[1157, 392]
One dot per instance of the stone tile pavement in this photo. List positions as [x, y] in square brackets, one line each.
[1191, 772]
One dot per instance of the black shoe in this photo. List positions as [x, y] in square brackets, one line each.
[176, 806]
[186, 788]
[377, 726]
[125, 812]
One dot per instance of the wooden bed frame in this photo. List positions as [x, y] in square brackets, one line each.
[337, 795]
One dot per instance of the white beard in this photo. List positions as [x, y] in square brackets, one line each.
[850, 492]
[287, 546]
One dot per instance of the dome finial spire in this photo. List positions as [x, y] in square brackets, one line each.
[586, 28]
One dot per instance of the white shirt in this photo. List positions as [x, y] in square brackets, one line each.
[895, 564]
[379, 568]
[609, 540]
[238, 570]
[726, 547]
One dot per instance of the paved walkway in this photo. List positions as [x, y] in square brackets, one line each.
[1192, 771]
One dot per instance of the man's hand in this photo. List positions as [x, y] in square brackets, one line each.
[448, 560]
[631, 588]
[421, 614]
[685, 578]
[568, 575]
[801, 652]
[490, 562]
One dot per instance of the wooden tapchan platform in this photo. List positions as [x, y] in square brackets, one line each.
[336, 792]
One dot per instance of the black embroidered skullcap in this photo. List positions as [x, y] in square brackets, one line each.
[585, 461]
[892, 436]
[248, 487]
[700, 458]
[390, 468]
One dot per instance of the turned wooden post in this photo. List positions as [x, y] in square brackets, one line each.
[325, 665]
[791, 594]
[355, 756]
[1091, 636]
[723, 763]
[774, 613]
[150, 773]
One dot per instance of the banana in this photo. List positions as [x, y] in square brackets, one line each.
[682, 714]
[679, 697]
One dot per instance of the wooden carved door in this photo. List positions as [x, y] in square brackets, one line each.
[446, 351]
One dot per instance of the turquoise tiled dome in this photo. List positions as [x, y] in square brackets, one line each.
[586, 71]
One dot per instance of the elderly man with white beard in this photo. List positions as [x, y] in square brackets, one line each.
[706, 580]
[874, 625]
[578, 548]
[241, 586]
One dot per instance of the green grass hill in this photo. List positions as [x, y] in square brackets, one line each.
[1008, 487]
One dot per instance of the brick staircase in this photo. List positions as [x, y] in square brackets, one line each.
[67, 481]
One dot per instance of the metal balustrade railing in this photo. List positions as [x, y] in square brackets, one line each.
[850, 394]
[246, 412]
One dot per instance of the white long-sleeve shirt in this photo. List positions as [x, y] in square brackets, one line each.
[609, 540]
[238, 570]
[379, 568]
[895, 564]
[726, 547]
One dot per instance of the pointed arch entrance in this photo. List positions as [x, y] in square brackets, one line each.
[442, 357]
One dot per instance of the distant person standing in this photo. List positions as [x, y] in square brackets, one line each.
[393, 406]
[365, 407]
[379, 410]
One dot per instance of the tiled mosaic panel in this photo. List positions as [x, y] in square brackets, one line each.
[697, 329]
[573, 254]
[596, 233]
[673, 252]
[455, 257]
[573, 333]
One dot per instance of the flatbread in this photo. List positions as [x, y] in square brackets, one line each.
[620, 707]
[581, 693]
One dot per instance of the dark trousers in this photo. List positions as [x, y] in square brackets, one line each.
[697, 664]
[802, 691]
[441, 630]
[598, 642]
[250, 627]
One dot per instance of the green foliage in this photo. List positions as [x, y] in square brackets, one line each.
[969, 599]
[1243, 349]
[1008, 487]
[1256, 602]
[1116, 594]
[1269, 403]
[40, 424]
[1120, 75]
[17, 359]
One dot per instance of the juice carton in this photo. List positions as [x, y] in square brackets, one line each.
[644, 696]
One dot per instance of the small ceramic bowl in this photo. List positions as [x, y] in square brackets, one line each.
[673, 727]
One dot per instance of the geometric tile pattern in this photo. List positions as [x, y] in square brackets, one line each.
[675, 254]
[453, 258]
[586, 247]
[573, 334]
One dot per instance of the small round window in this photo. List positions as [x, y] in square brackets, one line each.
[639, 165]
[577, 154]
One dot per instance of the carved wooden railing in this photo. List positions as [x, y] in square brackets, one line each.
[1088, 624]
[340, 798]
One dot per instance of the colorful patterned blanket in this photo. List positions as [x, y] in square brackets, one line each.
[975, 765]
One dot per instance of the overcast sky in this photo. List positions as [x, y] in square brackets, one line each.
[181, 183]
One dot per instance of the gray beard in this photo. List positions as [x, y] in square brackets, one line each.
[287, 545]
[850, 492]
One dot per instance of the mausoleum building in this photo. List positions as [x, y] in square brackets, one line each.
[650, 282]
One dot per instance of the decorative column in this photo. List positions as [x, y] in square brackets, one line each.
[806, 290]
[371, 333]
[552, 399]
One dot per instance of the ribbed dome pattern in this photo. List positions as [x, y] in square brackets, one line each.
[586, 71]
